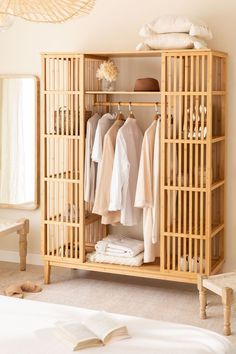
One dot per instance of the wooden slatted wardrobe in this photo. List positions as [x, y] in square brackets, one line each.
[193, 102]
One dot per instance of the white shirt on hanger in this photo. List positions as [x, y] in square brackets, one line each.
[104, 124]
[148, 191]
[90, 167]
[125, 172]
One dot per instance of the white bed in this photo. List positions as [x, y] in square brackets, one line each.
[25, 329]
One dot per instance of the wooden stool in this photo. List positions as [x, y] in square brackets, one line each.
[21, 227]
[223, 285]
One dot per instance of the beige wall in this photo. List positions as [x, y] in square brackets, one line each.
[113, 25]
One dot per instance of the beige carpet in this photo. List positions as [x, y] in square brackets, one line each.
[167, 301]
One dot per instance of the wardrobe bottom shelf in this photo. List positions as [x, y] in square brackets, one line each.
[150, 270]
[67, 257]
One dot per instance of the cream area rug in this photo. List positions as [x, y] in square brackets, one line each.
[155, 299]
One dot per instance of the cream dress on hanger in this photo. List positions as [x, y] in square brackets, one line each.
[148, 193]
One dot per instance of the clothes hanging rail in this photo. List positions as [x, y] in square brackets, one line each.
[139, 104]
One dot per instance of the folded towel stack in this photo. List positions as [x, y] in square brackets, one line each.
[174, 32]
[118, 249]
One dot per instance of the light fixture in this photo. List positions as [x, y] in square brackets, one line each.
[46, 10]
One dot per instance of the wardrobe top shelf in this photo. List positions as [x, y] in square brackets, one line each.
[147, 53]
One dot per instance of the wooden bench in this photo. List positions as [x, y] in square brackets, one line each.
[21, 227]
[224, 285]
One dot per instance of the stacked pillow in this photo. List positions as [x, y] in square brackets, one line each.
[174, 32]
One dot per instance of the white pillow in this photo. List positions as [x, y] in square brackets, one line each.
[176, 24]
[171, 41]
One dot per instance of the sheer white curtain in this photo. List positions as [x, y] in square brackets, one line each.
[17, 140]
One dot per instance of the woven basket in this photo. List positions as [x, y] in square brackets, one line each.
[46, 10]
[63, 117]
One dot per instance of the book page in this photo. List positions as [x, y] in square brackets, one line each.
[77, 335]
[105, 327]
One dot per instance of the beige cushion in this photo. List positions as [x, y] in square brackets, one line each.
[176, 24]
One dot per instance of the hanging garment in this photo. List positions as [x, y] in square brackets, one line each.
[125, 172]
[90, 167]
[147, 193]
[102, 195]
[104, 124]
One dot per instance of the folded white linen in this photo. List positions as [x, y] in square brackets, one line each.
[103, 258]
[125, 246]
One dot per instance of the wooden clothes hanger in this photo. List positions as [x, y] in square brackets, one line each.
[120, 115]
[131, 115]
[157, 114]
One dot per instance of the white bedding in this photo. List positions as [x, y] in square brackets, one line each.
[25, 329]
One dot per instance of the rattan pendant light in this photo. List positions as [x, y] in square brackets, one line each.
[46, 10]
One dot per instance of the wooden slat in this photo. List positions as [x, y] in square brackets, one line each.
[81, 158]
[44, 165]
[209, 164]
[168, 172]
[77, 200]
[190, 182]
[174, 167]
[162, 166]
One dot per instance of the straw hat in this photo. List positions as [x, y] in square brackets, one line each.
[146, 84]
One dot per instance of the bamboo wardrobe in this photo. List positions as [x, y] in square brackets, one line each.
[193, 114]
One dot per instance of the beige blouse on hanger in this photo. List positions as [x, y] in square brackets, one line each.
[147, 192]
[102, 196]
[90, 167]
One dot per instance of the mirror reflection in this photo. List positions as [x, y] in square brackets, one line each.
[18, 142]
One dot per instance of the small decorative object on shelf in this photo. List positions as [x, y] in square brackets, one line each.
[107, 73]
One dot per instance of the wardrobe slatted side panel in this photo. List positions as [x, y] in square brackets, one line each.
[219, 103]
[67, 227]
[184, 145]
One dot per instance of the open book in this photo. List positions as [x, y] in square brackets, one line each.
[97, 330]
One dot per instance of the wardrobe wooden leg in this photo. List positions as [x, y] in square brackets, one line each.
[227, 297]
[47, 272]
[202, 297]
